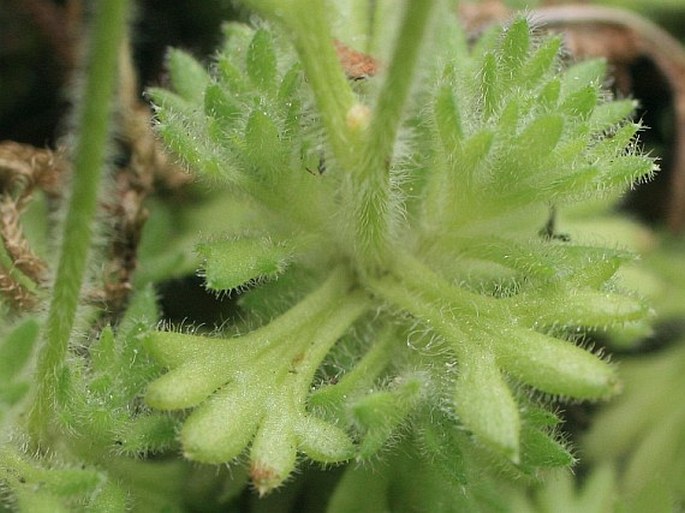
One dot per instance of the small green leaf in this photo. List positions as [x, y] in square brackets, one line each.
[553, 365]
[441, 445]
[579, 182]
[485, 404]
[380, 413]
[232, 263]
[609, 114]
[474, 151]
[541, 61]
[539, 450]
[186, 386]
[580, 103]
[583, 74]
[509, 117]
[539, 139]
[168, 104]
[141, 313]
[230, 77]
[222, 427]
[237, 37]
[448, 119]
[589, 308]
[528, 257]
[322, 441]
[589, 266]
[174, 349]
[188, 77]
[181, 138]
[550, 93]
[103, 354]
[489, 85]
[274, 450]
[361, 377]
[221, 107]
[261, 61]
[291, 82]
[147, 433]
[263, 143]
[615, 145]
[199, 365]
[515, 47]
[627, 170]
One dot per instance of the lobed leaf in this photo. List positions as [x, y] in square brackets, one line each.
[554, 366]
[273, 453]
[514, 48]
[220, 428]
[229, 264]
[540, 62]
[485, 404]
[581, 75]
[261, 61]
[448, 119]
[580, 103]
[609, 114]
[380, 413]
[188, 77]
[322, 441]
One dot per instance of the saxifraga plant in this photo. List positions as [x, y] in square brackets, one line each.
[405, 295]
[403, 279]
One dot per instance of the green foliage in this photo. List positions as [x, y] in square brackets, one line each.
[410, 301]
[431, 256]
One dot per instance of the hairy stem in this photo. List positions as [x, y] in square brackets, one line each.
[373, 177]
[108, 31]
[397, 85]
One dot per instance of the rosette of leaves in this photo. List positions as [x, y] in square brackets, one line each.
[403, 275]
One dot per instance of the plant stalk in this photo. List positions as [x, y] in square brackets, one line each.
[107, 34]
[373, 172]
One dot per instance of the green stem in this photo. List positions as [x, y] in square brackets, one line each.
[107, 34]
[372, 173]
[396, 87]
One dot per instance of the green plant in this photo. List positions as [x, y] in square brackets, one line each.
[405, 293]
[429, 224]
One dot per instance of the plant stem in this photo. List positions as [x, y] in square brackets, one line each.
[393, 96]
[372, 173]
[107, 34]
